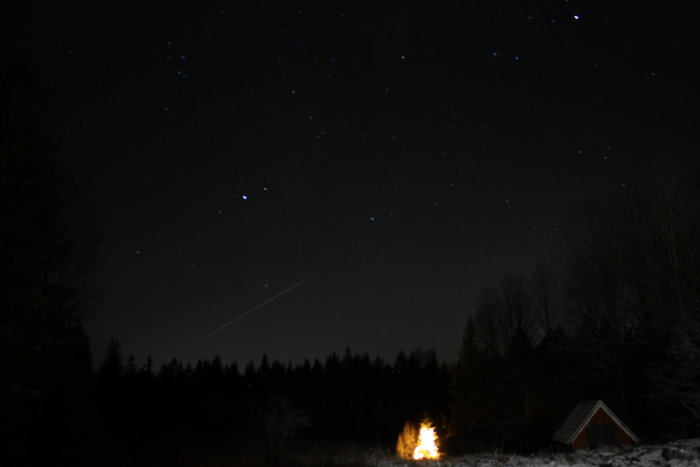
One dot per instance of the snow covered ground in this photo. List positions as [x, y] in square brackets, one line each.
[682, 453]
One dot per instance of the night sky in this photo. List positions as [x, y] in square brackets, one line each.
[399, 158]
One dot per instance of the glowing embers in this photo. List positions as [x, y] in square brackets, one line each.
[418, 444]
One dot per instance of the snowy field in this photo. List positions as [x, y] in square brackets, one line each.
[675, 454]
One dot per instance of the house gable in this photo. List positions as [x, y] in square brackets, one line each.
[573, 431]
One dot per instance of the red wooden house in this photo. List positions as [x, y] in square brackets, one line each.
[592, 424]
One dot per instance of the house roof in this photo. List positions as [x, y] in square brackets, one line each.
[579, 418]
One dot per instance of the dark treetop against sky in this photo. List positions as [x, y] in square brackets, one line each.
[398, 157]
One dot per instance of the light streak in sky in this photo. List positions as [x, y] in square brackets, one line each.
[241, 316]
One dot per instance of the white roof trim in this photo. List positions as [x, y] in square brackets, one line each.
[601, 405]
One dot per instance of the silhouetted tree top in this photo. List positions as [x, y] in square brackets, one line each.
[44, 250]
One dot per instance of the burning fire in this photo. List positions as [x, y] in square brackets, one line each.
[427, 443]
[418, 445]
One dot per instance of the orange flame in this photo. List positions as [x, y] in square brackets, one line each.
[427, 443]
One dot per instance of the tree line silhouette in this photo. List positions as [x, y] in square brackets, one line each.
[344, 398]
[617, 318]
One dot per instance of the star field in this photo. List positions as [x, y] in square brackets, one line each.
[399, 157]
